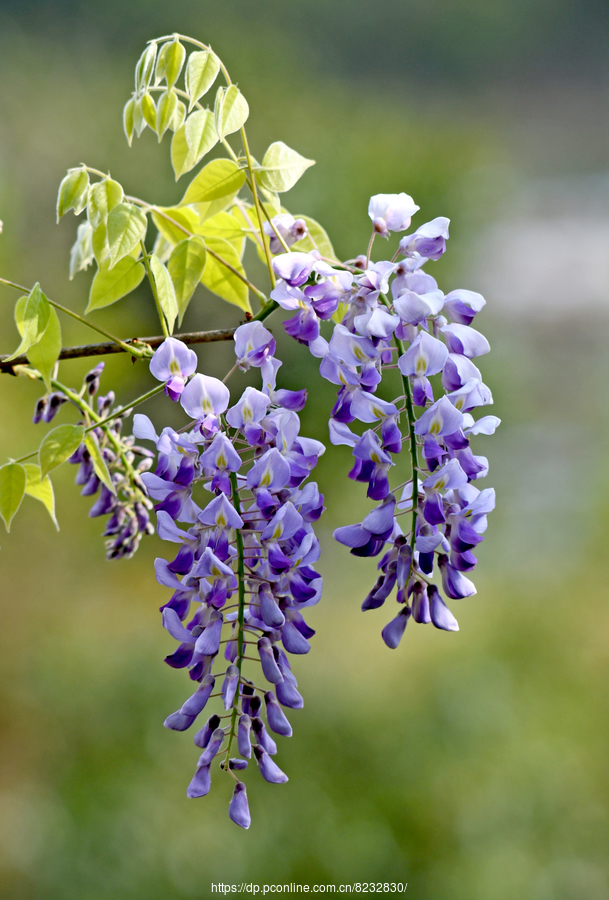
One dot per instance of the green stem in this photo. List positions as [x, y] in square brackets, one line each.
[132, 350]
[155, 293]
[240, 614]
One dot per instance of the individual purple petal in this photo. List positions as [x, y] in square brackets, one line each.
[203, 736]
[252, 407]
[294, 267]
[440, 419]
[238, 809]
[178, 721]
[292, 639]
[455, 584]
[341, 434]
[269, 770]
[393, 631]
[458, 370]
[271, 471]
[243, 736]
[269, 610]
[221, 513]
[441, 615]
[446, 478]
[378, 323]
[173, 362]
[208, 643]
[175, 628]
[485, 425]
[229, 686]
[391, 212]
[267, 661]
[351, 348]
[263, 737]
[425, 356]
[288, 695]
[352, 535]
[235, 763]
[196, 703]
[276, 717]
[420, 604]
[211, 751]
[379, 522]
[200, 784]
[465, 340]
[204, 396]
[284, 524]
[461, 306]
[253, 342]
[221, 455]
[369, 408]
[429, 240]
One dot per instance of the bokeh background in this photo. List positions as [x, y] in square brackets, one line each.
[472, 765]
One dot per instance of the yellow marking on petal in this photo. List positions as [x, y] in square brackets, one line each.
[277, 532]
[358, 353]
[266, 479]
[174, 367]
[221, 521]
[221, 461]
[436, 426]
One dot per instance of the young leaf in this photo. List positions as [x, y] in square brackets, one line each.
[184, 216]
[12, 488]
[58, 445]
[126, 228]
[230, 110]
[81, 254]
[316, 239]
[139, 122]
[165, 291]
[281, 168]
[109, 285]
[99, 243]
[201, 134]
[165, 111]
[149, 110]
[103, 197]
[99, 463]
[186, 265]
[34, 317]
[145, 67]
[170, 62]
[128, 119]
[44, 353]
[41, 489]
[220, 280]
[73, 192]
[201, 72]
[178, 117]
[226, 226]
[218, 180]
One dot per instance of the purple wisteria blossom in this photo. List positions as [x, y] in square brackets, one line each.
[173, 363]
[244, 571]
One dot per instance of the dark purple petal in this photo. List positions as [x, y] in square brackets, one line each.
[177, 721]
[196, 703]
[393, 631]
[267, 661]
[203, 736]
[200, 784]
[269, 770]
[243, 736]
[276, 717]
[238, 809]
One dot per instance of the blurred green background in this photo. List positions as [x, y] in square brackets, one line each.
[473, 766]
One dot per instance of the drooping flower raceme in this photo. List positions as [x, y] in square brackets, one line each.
[244, 570]
[394, 316]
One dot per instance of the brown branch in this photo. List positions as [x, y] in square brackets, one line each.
[191, 337]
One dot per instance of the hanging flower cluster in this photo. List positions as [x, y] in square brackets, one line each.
[246, 552]
[393, 315]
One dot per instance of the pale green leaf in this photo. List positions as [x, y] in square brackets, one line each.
[201, 136]
[170, 62]
[178, 117]
[201, 72]
[149, 110]
[186, 265]
[44, 353]
[99, 463]
[317, 239]
[180, 152]
[281, 168]
[139, 122]
[145, 67]
[33, 318]
[12, 488]
[218, 180]
[103, 197]
[73, 192]
[207, 210]
[128, 124]
[165, 111]
[184, 216]
[99, 243]
[81, 254]
[126, 228]
[58, 445]
[109, 285]
[220, 280]
[41, 489]
[165, 291]
[162, 247]
[230, 110]
[226, 226]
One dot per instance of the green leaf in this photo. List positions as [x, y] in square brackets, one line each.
[226, 226]
[218, 180]
[99, 463]
[165, 111]
[230, 110]
[12, 488]
[33, 314]
[58, 445]
[103, 197]
[186, 265]
[170, 62]
[178, 117]
[99, 243]
[200, 136]
[145, 67]
[201, 72]
[44, 353]
[109, 285]
[165, 291]
[281, 168]
[41, 489]
[73, 192]
[126, 228]
[180, 153]
[148, 110]
[128, 124]
[184, 216]
[81, 254]
[317, 239]
[220, 280]
[139, 122]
